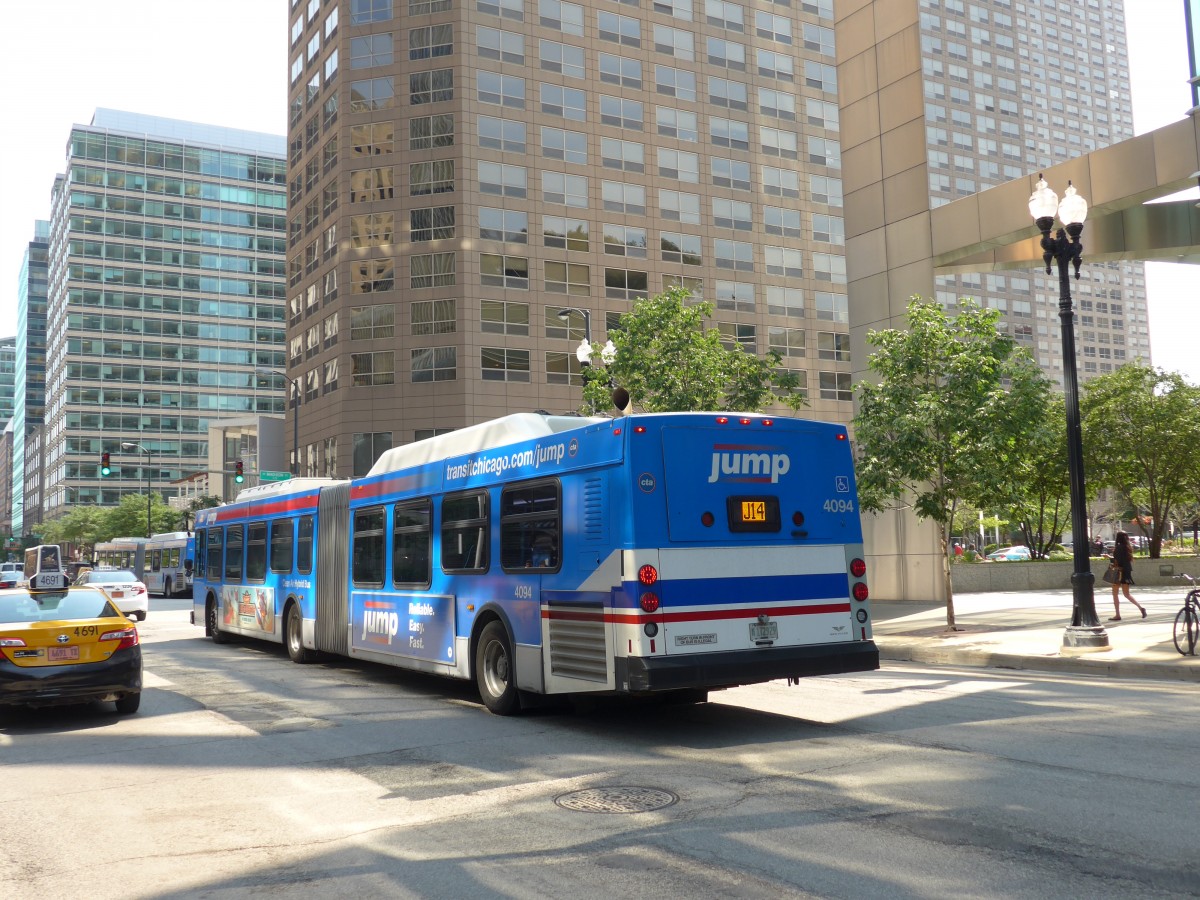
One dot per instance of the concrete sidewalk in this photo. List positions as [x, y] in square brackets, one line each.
[1024, 630]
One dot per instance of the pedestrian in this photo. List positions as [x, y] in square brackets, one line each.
[1122, 559]
[958, 550]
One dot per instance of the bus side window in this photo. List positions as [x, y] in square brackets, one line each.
[531, 526]
[233, 553]
[256, 551]
[367, 564]
[465, 532]
[201, 550]
[304, 545]
[282, 533]
[215, 556]
[411, 561]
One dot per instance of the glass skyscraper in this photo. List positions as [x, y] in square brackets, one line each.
[30, 376]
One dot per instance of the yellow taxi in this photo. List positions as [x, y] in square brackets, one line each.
[67, 645]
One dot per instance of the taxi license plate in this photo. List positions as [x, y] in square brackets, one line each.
[57, 654]
[764, 631]
[118, 593]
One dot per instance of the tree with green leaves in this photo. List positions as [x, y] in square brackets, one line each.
[667, 360]
[1141, 437]
[128, 518]
[951, 406]
[1041, 482]
[81, 525]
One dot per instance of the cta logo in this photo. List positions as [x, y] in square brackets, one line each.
[749, 464]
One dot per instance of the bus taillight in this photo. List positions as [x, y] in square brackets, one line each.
[649, 602]
[722, 420]
[707, 519]
[858, 568]
[859, 590]
[647, 575]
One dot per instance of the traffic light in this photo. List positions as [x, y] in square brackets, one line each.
[239, 474]
[105, 467]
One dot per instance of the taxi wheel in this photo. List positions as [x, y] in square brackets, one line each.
[141, 615]
[210, 616]
[494, 671]
[129, 704]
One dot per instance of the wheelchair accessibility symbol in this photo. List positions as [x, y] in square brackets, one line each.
[842, 483]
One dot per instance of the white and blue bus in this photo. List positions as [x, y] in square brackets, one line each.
[654, 553]
[122, 553]
[170, 557]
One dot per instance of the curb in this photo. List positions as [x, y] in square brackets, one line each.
[899, 650]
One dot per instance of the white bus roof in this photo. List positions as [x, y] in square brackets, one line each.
[172, 536]
[484, 436]
[284, 487]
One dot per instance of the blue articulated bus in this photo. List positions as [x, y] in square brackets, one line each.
[667, 552]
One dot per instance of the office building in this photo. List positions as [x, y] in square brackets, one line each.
[165, 300]
[29, 391]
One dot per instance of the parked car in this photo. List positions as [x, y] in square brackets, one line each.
[1010, 553]
[11, 574]
[67, 646]
[123, 587]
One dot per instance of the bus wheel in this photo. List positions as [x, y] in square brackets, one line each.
[210, 616]
[167, 588]
[494, 671]
[293, 634]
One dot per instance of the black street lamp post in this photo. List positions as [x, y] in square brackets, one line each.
[133, 445]
[1085, 633]
[295, 383]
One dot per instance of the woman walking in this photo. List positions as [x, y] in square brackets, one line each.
[1123, 559]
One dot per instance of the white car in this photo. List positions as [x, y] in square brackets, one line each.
[1010, 553]
[122, 587]
[11, 574]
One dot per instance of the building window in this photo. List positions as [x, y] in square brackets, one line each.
[726, 54]
[824, 189]
[677, 83]
[619, 29]
[824, 152]
[367, 185]
[829, 267]
[430, 132]
[780, 182]
[371, 50]
[565, 59]
[372, 276]
[569, 103]
[370, 369]
[431, 270]
[564, 17]
[495, 43]
[691, 284]
[433, 224]
[509, 272]
[778, 104]
[368, 448]
[737, 333]
[505, 225]
[372, 322]
[725, 15]
[566, 233]
[833, 346]
[679, 207]
[567, 278]
[568, 190]
[778, 143]
[504, 317]
[828, 229]
[427, 7]
[502, 364]
[372, 140]
[509, 9]
[621, 113]
[675, 42]
[434, 317]
[733, 214]
[436, 177]
[735, 295]
[625, 240]
[727, 133]
[501, 134]
[730, 94]
[623, 198]
[431, 41]
[730, 173]
[497, 178]
[785, 261]
[831, 307]
[563, 368]
[785, 301]
[569, 146]
[675, 123]
[625, 284]
[620, 71]
[500, 90]
[736, 255]
[835, 386]
[679, 165]
[363, 12]
[684, 249]
[430, 87]
[372, 94]
[787, 342]
[372, 230]
[434, 364]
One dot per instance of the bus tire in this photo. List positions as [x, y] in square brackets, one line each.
[293, 635]
[494, 671]
[167, 588]
[211, 624]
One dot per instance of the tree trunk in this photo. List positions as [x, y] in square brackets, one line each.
[950, 626]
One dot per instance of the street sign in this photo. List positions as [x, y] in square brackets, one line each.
[266, 475]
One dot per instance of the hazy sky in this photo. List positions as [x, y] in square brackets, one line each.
[224, 62]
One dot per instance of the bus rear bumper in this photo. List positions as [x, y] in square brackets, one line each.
[734, 667]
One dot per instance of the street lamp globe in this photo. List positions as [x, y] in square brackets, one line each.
[1072, 209]
[1043, 202]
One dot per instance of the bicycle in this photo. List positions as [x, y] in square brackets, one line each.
[1187, 621]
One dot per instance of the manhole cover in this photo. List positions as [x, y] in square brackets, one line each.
[619, 799]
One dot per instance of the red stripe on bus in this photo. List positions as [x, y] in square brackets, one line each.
[267, 508]
[704, 616]
[378, 604]
[386, 486]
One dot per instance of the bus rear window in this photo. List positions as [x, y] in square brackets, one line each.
[304, 545]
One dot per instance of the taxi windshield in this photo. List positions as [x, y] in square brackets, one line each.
[51, 606]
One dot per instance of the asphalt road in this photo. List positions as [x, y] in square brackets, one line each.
[244, 774]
